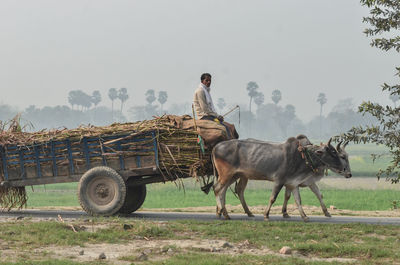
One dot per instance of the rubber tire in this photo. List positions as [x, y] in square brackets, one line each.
[134, 199]
[114, 183]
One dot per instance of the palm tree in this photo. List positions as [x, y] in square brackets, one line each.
[276, 96]
[72, 98]
[123, 96]
[259, 99]
[252, 91]
[112, 94]
[221, 104]
[394, 98]
[150, 96]
[288, 115]
[162, 98]
[96, 97]
[321, 100]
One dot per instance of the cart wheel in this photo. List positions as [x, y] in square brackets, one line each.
[101, 191]
[134, 199]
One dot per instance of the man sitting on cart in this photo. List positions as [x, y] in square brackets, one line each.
[204, 105]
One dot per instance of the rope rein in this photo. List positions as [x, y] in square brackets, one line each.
[307, 156]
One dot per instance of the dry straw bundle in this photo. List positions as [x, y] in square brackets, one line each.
[179, 154]
[11, 197]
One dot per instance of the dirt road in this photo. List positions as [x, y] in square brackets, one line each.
[166, 216]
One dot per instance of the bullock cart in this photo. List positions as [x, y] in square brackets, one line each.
[112, 164]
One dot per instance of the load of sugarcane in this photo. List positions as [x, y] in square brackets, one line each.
[183, 145]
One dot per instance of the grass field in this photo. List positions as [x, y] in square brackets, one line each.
[169, 196]
[194, 242]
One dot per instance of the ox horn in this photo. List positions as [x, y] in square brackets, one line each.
[329, 142]
[338, 146]
[345, 144]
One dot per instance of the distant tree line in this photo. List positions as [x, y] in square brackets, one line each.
[81, 99]
[270, 120]
[147, 111]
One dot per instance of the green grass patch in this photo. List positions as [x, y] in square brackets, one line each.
[207, 259]
[322, 240]
[32, 235]
[366, 243]
[48, 262]
[168, 196]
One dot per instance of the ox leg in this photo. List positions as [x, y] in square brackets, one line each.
[317, 193]
[220, 194]
[275, 191]
[217, 190]
[285, 202]
[222, 198]
[297, 199]
[240, 191]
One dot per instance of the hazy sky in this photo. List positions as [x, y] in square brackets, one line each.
[302, 47]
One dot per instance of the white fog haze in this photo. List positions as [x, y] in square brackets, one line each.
[301, 48]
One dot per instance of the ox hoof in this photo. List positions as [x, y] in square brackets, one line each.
[328, 214]
[225, 213]
[285, 215]
[250, 215]
[227, 217]
[306, 219]
[218, 212]
[266, 218]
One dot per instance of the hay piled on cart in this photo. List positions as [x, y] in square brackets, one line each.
[179, 153]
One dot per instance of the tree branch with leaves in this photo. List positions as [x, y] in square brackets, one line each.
[384, 25]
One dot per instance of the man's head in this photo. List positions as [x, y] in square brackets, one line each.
[206, 79]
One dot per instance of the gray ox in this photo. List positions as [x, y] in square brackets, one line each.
[290, 164]
[310, 182]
